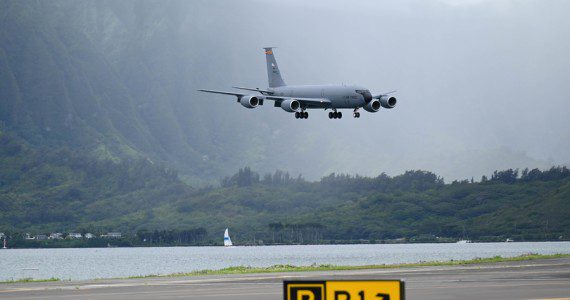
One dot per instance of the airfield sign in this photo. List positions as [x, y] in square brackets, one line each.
[344, 290]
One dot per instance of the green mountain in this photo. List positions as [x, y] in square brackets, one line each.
[117, 80]
[64, 190]
[48, 189]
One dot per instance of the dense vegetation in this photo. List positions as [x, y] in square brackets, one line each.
[47, 190]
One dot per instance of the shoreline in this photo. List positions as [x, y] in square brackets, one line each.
[270, 245]
[291, 268]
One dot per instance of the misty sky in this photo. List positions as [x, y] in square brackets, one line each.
[476, 79]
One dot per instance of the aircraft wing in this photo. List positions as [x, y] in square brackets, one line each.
[263, 92]
[223, 93]
[310, 101]
[384, 94]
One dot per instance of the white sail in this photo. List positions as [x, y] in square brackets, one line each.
[227, 240]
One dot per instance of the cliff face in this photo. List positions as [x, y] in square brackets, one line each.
[117, 79]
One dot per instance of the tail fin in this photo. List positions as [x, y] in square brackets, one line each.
[273, 74]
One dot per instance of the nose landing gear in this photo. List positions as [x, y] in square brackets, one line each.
[356, 114]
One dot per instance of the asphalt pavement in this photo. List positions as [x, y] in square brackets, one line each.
[539, 279]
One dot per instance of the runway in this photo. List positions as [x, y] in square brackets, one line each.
[540, 279]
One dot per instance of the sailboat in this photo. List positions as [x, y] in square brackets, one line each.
[227, 240]
[4, 244]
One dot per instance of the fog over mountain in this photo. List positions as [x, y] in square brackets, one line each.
[481, 84]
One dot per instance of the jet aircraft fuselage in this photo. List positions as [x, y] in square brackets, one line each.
[340, 96]
[298, 98]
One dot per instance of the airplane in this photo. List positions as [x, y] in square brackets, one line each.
[298, 98]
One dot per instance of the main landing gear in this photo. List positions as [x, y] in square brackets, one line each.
[301, 115]
[335, 114]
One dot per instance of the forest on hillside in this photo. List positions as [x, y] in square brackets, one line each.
[62, 190]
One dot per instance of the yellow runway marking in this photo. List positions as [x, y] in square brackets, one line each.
[551, 299]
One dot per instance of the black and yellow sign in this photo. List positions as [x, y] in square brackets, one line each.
[344, 290]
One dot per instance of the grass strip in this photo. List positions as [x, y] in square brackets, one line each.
[292, 268]
[24, 280]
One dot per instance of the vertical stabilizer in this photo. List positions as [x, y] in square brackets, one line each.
[273, 74]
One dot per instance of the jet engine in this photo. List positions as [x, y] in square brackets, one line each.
[372, 106]
[249, 101]
[290, 105]
[388, 101]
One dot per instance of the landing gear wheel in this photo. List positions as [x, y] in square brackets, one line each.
[331, 115]
[297, 115]
[305, 115]
[356, 115]
[340, 115]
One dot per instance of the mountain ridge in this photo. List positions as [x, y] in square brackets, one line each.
[70, 191]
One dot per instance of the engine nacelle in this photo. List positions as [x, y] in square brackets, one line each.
[388, 101]
[249, 101]
[290, 105]
[372, 106]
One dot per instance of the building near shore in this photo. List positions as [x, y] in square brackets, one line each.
[56, 236]
[74, 235]
[113, 235]
[40, 237]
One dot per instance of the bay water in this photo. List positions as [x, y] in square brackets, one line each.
[92, 263]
